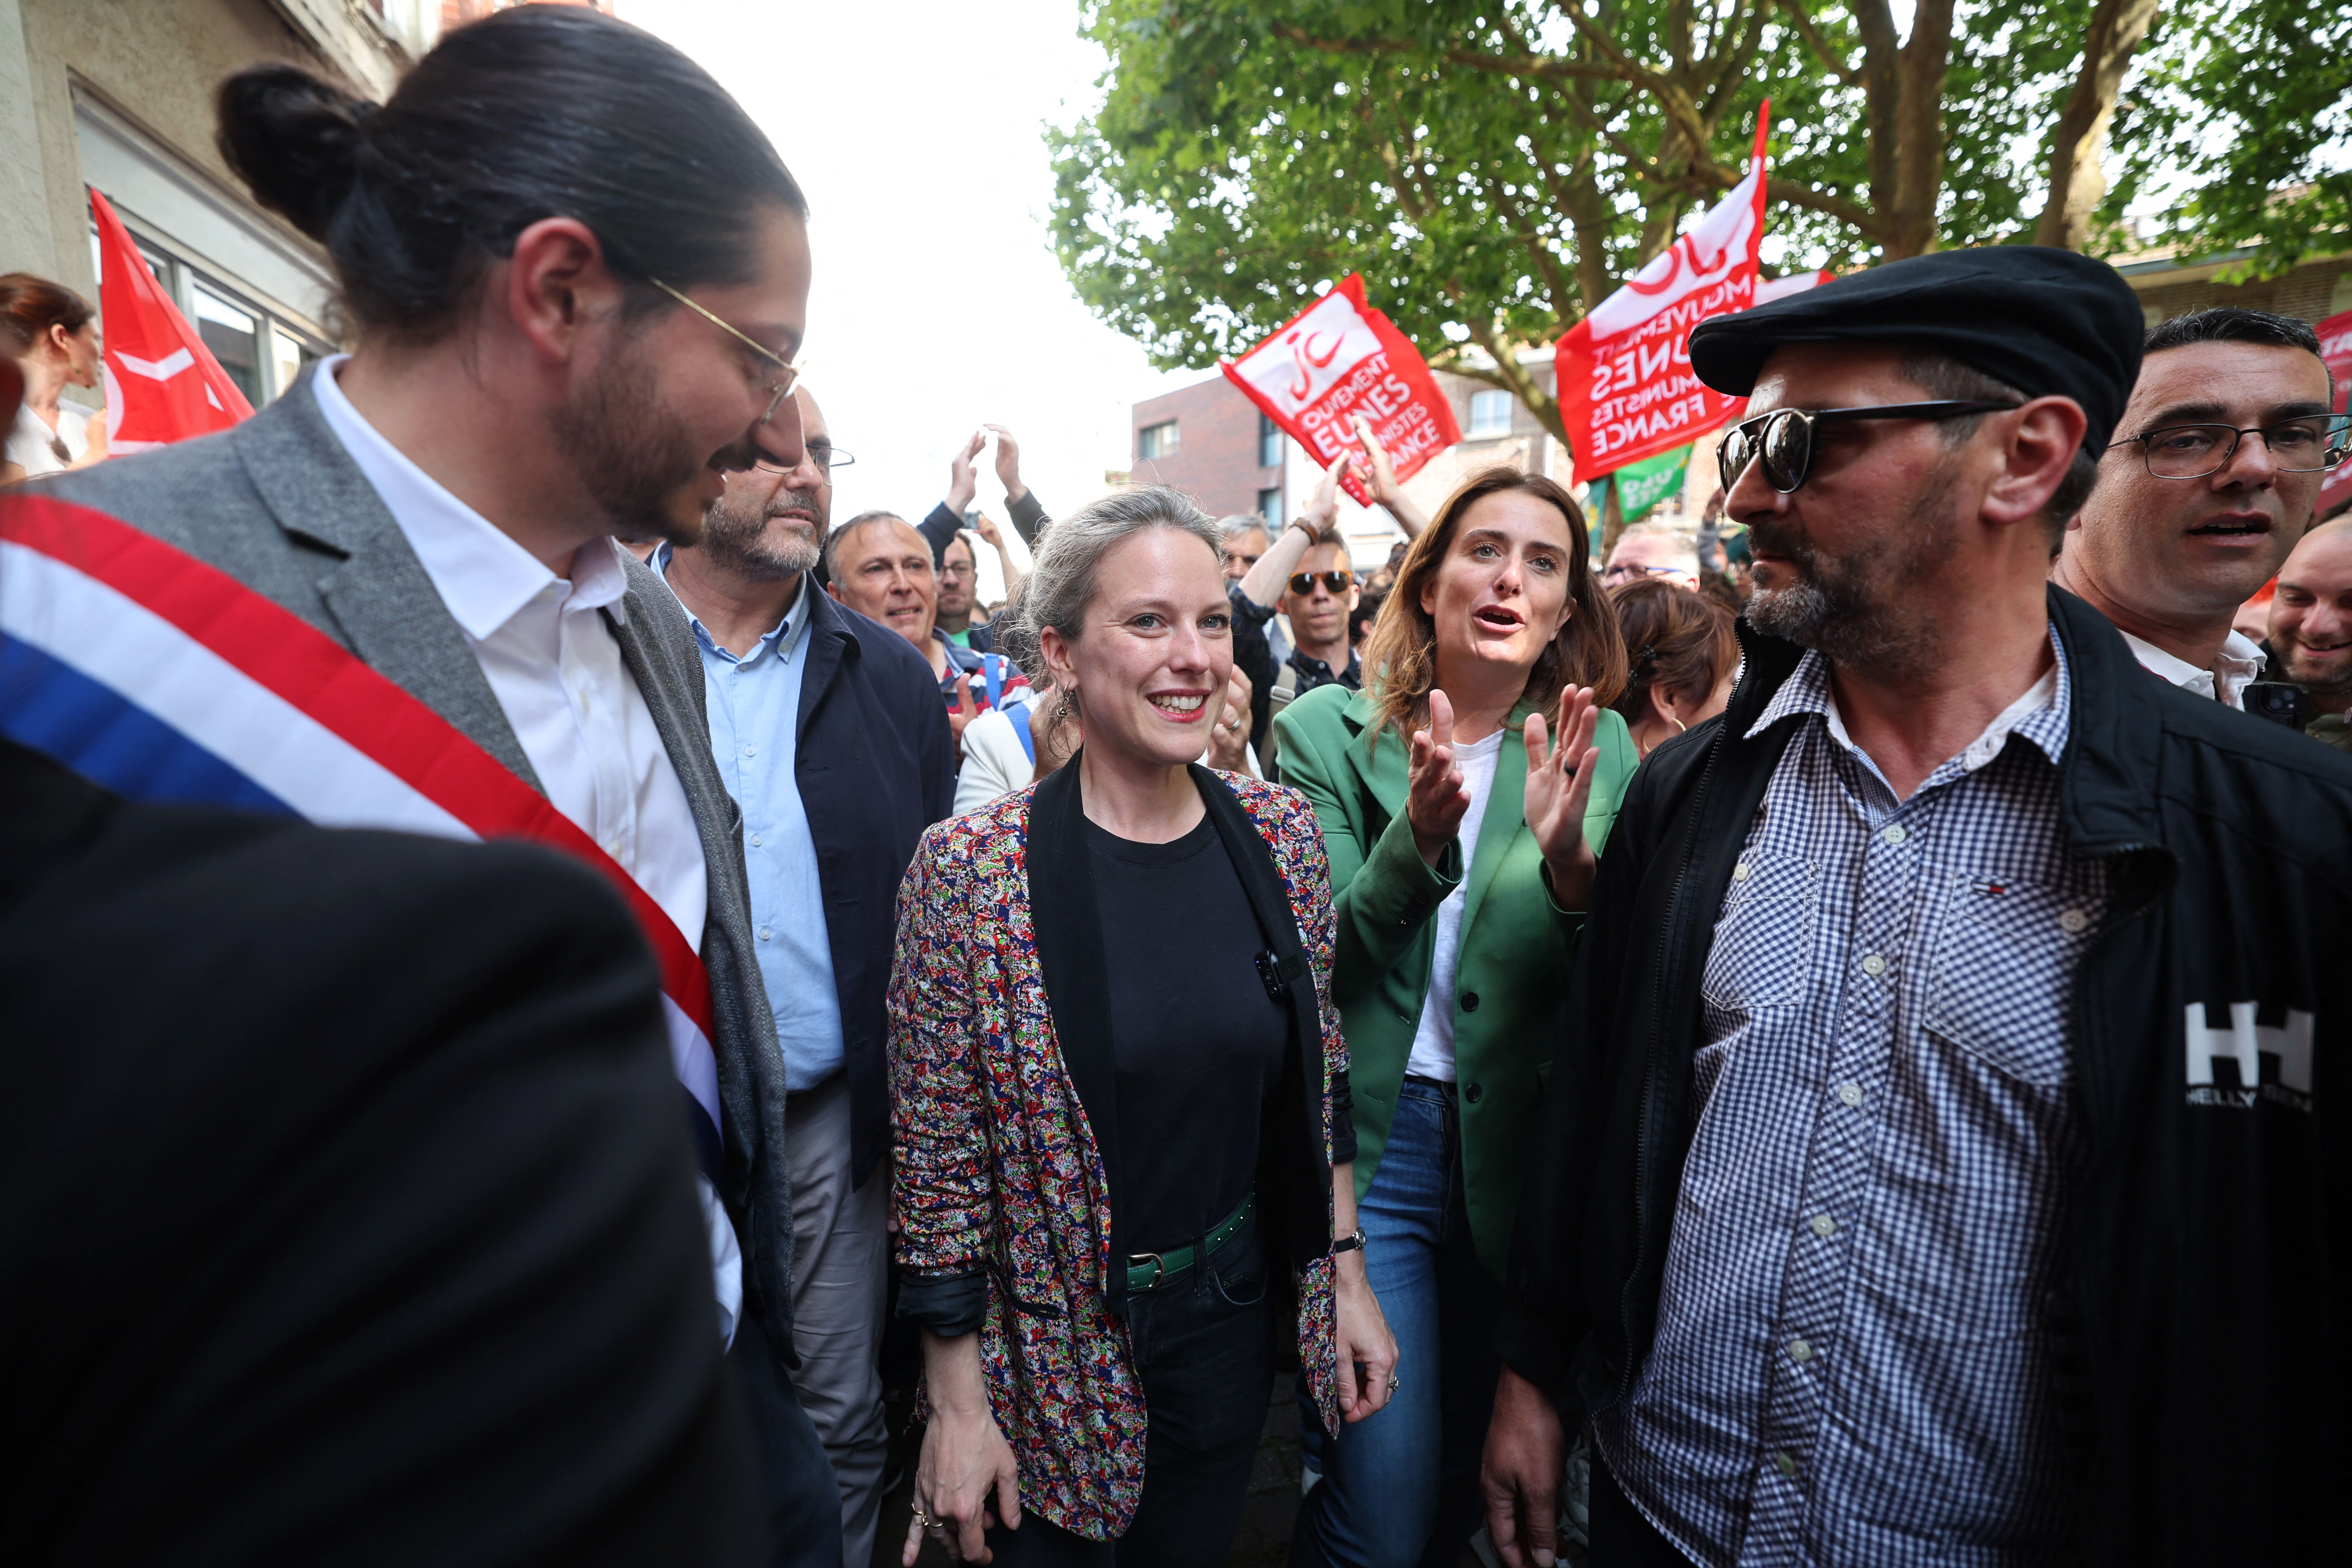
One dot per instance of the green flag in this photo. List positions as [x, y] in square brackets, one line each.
[1643, 485]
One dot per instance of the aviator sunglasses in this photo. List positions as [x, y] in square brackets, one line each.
[1782, 440]
[1303, 582]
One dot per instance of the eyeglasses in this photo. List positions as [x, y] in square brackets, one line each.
[2305, 445]
[1336, 582]
[789, 372]
[1783, 440]
[1633, 569]
[824, 457]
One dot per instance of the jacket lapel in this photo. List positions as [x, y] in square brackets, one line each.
[1384, 767]
[1298, 1161]
[1077, 988]
[829, 642]
[383, 604]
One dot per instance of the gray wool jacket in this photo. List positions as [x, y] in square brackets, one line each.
[277, 504]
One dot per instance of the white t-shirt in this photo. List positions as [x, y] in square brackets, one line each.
[1432, 1042]
[29, 445]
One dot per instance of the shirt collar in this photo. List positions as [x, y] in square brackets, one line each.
[2239, 664]
[2039, 716]
[784, 639]
[483, 576]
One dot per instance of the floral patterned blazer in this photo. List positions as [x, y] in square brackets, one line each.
[1000, 1073]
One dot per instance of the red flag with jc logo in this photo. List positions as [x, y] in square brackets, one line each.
[161, 383]
[1626, 391]
[1336, 360]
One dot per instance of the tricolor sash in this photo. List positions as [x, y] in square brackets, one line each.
[164, 678]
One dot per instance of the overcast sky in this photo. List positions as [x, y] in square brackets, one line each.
[916, 130]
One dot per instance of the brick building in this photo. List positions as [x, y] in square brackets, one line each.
[1210, 442]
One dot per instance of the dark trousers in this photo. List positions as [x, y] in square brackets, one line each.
[1621, 1537]
[1201, 1349]
[803, 1497]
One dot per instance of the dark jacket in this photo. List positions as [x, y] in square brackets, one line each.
[876, 766]
[1029, 519]
[346, 1209]
[2207, 1368]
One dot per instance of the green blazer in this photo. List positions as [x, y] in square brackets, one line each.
[1511, 980]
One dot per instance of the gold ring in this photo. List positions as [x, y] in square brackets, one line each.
[924, 1520]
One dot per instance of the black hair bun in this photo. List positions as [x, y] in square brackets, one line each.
[294, 138]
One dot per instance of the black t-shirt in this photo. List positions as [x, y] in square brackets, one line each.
[1199, 1044]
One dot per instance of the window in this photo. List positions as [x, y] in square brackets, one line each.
[261, 353]
[234, 338]
[1490, 414]
[1269, 506]
[1156, 441]
[1269, 443]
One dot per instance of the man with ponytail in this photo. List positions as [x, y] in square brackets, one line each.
[575, 276]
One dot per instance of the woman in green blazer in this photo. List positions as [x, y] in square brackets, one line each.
[1462, 844]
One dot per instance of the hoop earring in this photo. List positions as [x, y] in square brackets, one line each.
[1680, 728]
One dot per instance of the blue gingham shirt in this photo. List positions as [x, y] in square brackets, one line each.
[1852, 1355]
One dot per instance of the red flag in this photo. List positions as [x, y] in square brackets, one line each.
[1339, 358]
[1626, 391]
[161, 383]
[2335, 348]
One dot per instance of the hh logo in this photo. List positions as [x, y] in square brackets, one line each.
[2244, 1043]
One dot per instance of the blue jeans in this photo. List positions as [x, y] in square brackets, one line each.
[1401, 1488]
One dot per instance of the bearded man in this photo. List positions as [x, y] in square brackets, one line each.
[829, 731]
[1945, 1078]
[578, 275]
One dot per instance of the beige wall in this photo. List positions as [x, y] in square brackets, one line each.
[154, 62]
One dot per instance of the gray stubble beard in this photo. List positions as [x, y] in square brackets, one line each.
[1839, 607]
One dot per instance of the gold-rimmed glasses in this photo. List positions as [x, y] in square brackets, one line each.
[790, 373]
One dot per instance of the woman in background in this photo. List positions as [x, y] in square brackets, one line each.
[1681, 653]
[52, 333]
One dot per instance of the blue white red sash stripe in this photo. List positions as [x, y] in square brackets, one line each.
[164, 678]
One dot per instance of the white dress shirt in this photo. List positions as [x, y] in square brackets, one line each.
[2239, 666]
[557, 673]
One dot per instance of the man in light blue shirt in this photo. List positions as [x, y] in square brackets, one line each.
[828, 729]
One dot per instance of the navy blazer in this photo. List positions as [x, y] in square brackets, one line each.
[877, 766]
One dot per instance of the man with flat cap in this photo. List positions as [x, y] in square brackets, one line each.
[1946, 1163]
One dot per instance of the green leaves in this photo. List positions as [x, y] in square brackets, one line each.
[1495, 167]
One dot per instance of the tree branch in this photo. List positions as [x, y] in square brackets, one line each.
[1815, 41]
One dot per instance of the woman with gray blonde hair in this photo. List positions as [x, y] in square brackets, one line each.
[1120, 1092]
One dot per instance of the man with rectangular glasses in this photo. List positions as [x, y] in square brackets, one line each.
[2209, 482]
[1944, 1160]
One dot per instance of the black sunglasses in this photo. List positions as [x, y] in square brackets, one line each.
[1783, 440]
[1303, 581]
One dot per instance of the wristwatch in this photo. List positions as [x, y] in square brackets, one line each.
[1351, 1242]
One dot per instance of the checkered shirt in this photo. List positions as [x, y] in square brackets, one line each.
[1850, 1363]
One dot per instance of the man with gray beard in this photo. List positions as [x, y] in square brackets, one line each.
[1947, 1067]
[828, 730]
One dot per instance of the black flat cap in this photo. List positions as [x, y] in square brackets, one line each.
[2046, 322]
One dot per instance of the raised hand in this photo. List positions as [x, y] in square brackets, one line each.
[1008, 462]
[1437, 798]
[1559, 785]
[964, 482]
[1229, 736]
[1380, 478]
[963, 712]
[985, 526]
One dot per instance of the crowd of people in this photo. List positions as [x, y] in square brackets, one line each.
[1809, 1039]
